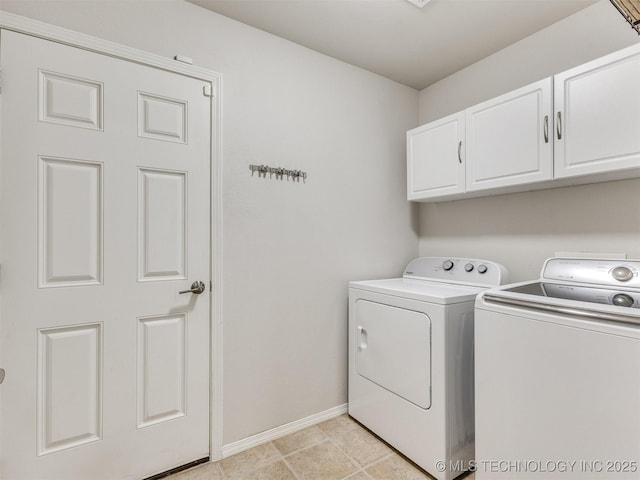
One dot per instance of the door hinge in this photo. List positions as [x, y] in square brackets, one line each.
[206, 90]
[2, 373]
[211, 286]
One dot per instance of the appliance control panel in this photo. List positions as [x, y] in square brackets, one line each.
[580, 293]
[618, 273]
[457, 270]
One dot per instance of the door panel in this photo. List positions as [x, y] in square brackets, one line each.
[162, 378]
[105, 196]
[162, 224]
[72, 101]
[69, 387]
[70, 253]
[393, 350]
[509, 138]
[435, 152]
[599, 111]
[162, 118]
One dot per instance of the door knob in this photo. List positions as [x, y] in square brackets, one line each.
[197, 287]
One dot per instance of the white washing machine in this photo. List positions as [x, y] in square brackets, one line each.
[411, 359]
[558, 374]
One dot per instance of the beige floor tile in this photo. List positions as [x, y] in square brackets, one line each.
[209, 471]
[360, 445]
[241, 463]
[338, 449]
[299, 440]
[273, 471]
[323, 461]
[339, 425]
[395, 467]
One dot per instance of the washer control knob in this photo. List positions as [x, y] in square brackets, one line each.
[447, 265]
[482, 268]
[622, 274]
[622, 300]
[468, 267]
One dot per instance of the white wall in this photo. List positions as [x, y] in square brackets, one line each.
[289, 249]
[522, 230]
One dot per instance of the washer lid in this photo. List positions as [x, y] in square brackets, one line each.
[580, 293]
[575, 300]
[422, 290]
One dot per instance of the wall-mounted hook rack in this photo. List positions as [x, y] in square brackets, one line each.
[279, 172]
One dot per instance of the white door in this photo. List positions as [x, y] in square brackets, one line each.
[435, 153]
[104, 218]
[509, 138]
[598, 115]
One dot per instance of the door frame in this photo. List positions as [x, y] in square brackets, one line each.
[20, 24]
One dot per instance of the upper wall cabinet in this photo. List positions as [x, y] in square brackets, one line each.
[598, 115]
[508, 138]
[434, 153]
[518, 142]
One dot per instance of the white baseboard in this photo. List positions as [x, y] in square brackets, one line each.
[281, 431]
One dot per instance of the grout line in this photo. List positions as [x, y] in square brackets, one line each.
[330, 440]
[291, 469]
[358, 426]
[324, 437]
[355, 473]
[393, 450]
[261, 464]
[386, 457]
[353, 461]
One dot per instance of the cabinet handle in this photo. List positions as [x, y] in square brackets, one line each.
[460, 151]
[559, 126]
[546, 129]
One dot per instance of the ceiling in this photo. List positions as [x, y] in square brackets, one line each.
[394, 38]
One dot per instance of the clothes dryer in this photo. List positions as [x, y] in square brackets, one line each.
[411, 359]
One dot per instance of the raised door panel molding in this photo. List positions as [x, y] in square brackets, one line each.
[509, 138]
[162, 217]
[162, 118]
[435, 154]
[162, 368]
[597, 109]
[69, 387]
[70, 101]
[70, 215]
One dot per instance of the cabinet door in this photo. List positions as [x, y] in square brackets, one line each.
[597, 109]
[509, 138]
[434, 158]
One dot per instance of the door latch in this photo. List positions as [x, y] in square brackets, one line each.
[196, 287]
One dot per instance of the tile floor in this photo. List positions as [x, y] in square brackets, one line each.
[333, 450]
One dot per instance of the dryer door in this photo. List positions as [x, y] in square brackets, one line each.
[393, 350]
